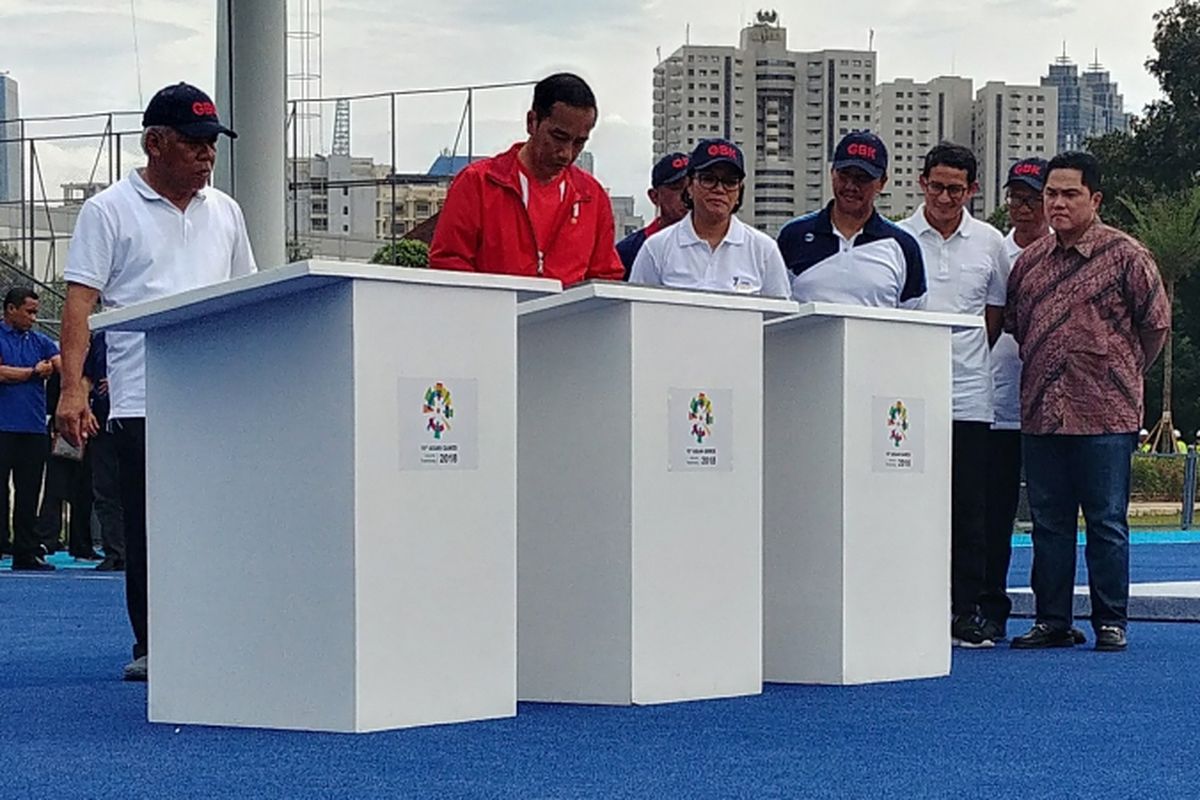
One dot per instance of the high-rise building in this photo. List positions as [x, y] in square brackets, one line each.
[625, 219]
[786, 109]
[911, 118]
[10, 148]
[1089, 104]
[1011, 122]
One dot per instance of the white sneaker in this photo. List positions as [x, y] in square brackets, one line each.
[136, 670]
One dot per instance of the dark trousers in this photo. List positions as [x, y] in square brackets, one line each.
[968, 474]
[1063, 474]
[22, 458]
[129, 436]
[67, 482]
[106, 494]
[1003, 490]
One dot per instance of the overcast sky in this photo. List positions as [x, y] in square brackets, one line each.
[72, 57]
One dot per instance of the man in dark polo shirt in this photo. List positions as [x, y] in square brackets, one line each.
[668, 179]
[27, 358]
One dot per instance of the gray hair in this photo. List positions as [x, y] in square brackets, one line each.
[158, 130]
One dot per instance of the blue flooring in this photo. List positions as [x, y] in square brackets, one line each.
[1148, 563]
[1005, 724]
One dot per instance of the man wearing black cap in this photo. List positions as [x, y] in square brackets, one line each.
[710, 248]
[847, 252]
[667, 182]
[159, 231]
[1026, 180]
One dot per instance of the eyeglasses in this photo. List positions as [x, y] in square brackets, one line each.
[955, 193]
[1018, 200]
[708, 180]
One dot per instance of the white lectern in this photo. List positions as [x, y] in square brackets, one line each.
[856, 494]
[331, 461]
[639, 495]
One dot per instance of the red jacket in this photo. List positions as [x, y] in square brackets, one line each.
[484, 227]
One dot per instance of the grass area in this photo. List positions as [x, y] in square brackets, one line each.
[1152, 521]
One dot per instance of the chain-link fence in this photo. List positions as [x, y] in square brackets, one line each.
[356, 179]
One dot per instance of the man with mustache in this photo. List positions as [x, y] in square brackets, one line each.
[847, 252]
[530, 211]
[157, 232]
[710, 248]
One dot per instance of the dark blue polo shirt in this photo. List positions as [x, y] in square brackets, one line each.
[23, 405]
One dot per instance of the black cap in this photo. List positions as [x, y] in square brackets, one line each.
[716, 151]
[864, 150]
[186, 109]
[1029, 171]
[670, 168]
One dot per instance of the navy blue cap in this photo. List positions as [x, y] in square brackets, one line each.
[670, 168]
[1029, 171]
[186, 109]
[864, 150]
[716, 151]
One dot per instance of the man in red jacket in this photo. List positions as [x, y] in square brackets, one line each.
[528, 211]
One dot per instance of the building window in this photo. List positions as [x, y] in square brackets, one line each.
[320, 225]
[345, 211]
[345, 229]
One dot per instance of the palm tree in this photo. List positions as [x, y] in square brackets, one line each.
[1169, 227]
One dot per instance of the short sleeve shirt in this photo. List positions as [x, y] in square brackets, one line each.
[745, 262]
[134, 245]
[23, 405]
[966, 274]
[879, 266]
[1079, 315]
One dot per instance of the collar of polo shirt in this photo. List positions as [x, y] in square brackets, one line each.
[147, 191]
[687, 232]
[921, 224]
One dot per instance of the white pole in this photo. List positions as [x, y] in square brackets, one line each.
[251, 97]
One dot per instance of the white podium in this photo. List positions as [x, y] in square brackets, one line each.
[331, 460]
[639, 495]
[856, 494]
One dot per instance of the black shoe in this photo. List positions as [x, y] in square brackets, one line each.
[966, 630]
[31, 564]
[1041, 636]
[1111, 639]
[1078, 636]
[996, 631]
[110, 564]
[90, 555]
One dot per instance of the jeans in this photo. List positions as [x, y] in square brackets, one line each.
[1065, 473]
[1003, 491]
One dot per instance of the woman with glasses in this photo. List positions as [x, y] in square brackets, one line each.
[710, 248]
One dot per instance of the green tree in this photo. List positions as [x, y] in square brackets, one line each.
[999, 219]
[404, 253]
[1169, 226]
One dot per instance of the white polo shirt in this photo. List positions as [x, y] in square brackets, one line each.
[745, 262]
[965, 274]
[1006, 361]
[879, 266]
[133, 245]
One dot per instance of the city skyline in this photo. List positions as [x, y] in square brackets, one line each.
[613, 47]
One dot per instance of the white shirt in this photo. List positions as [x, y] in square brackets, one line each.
[1006, 361]
[965, 274]
[745, 262]
[878, 266]
[134, 245]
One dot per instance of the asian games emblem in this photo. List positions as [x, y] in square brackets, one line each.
[897, 423]
[438, 409]
[700, 414]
